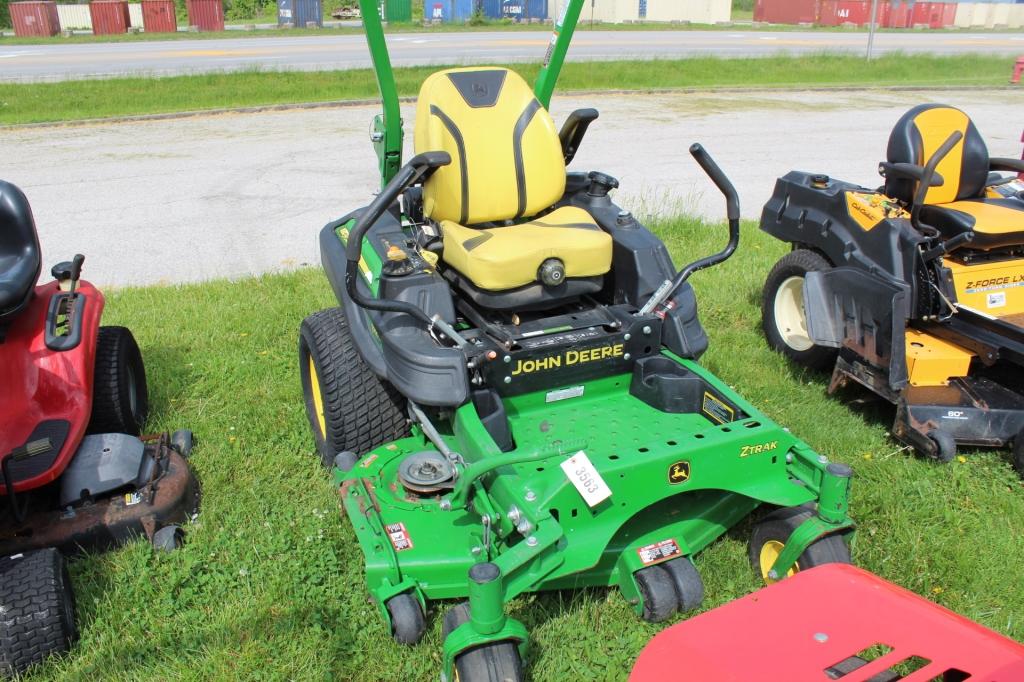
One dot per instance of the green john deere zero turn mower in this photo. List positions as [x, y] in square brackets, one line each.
[508, 394]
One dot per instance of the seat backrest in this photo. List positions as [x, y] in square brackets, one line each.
[19, 243]
[916, 137]
[507, 159]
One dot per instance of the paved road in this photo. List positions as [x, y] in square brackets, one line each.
[81, 60]
[232, 195]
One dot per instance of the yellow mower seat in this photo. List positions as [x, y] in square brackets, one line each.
[503, 258]
[959, 204]
[507, 166]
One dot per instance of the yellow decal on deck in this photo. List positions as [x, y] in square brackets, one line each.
[569, 358]
[679, 473]
[749, 450]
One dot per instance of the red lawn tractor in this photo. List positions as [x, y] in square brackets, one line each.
[76, 475]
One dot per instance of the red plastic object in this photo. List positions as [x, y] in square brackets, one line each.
[37, 19]
[206, 15]
[158, 16]
[787, 11]
[109, 17]
[1018, 69]
[40, 384]
[799, 627]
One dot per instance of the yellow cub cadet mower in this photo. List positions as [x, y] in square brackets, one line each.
[914, 290]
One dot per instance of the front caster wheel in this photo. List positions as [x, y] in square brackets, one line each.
[407, 622]
[771, 533]
[497, 662]
[945, 445]
[658, 593]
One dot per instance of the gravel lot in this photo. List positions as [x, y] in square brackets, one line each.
[235, 194]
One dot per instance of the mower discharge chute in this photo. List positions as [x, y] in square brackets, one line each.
[508, 394]
[914, 290]
[76, 474]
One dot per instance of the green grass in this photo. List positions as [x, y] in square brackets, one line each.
[269, 585]
[84, 99]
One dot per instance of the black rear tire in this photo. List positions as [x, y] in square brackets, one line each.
[360, 412]
[120, 399]
[37, 609]
[786, 336]
[498, 662]
[774, 530]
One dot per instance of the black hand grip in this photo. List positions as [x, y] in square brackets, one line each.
[732, 198]
[76, 266]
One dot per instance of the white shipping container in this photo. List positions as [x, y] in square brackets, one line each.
[74, 17]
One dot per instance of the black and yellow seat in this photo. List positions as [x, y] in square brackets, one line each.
[959, 204]
[507, 243]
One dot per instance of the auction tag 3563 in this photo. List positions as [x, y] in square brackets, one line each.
[582, 474]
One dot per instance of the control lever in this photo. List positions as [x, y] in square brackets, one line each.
[732, 211]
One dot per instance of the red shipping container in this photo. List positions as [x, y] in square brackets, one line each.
[787, 11]
[839, 12]
[109, 17]
[928, 13]
[158, 16]
[206, 15]
[900, 15]
[948, 14]
[37, 19]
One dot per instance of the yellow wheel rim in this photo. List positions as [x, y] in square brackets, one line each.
[318, 399]
[770, 551]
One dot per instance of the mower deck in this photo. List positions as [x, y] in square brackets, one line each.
[171, 497]
[554, 538]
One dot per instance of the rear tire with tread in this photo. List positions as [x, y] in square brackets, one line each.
[497, 662]
[38, 609]
[795, 264]
[777, 526]
[361, 412]
[120, 400]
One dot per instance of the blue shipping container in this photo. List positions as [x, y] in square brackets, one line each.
[299, 13]
[448, 10]
[520, 10]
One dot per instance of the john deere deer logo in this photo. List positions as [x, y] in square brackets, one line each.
[679, 473]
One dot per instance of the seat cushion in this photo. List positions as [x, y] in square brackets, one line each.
[995, 222]
[502, 258]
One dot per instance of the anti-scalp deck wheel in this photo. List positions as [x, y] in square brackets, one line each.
[687, 581]
[407, 621]
[783, 317]
[1017, 454]
[497, 662]
[120, 400]
[349, 408]
[37, 609]
[945, 445]
[771, 533]
[657, 592]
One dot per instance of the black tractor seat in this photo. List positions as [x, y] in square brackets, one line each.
[20, 258]
[996, 223]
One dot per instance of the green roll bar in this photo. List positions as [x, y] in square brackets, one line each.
[387, 126]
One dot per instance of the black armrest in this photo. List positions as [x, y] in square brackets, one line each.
[1014, 165]
[908, 171]
[573, 130]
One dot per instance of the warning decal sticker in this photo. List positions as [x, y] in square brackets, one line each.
[399, 536]
[716, 410]
[666, 549]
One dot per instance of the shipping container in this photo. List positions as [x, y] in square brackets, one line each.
[857, 12]
[109, 17]
[520, 10]
[786, 11]
[37, 19]
[930, 14]
[397, 11]
[205, 15]
[448, 10]
[901, 15]
[299, 13]
[158, 16]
